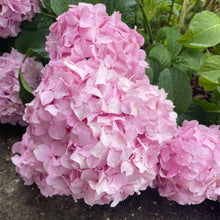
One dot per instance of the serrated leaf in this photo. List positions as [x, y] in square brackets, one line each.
[177, 84]
[161, 54]
[150, 74]
[25, 92]
[128, 8]
[154, 70]
[183, 67]
[210, 73]
[193, 58]
[203, 32]
[170, 34]
[207, 84]
[61, 6]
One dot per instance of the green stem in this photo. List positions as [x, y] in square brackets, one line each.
[28, 53]
[171, 10]
[195, 8]
[147, 26]
[214, 5]
[183, 13]
[210, 5]
[205, 4]
[48, 15]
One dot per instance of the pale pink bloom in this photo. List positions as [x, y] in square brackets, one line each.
[86, 31]
[13, 12]
[93, 133]
[189, 168]
[11, 107]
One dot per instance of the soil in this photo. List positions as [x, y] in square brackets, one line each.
[20, 202]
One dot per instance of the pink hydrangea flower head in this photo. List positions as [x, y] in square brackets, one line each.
[93, 133]
[86, 31]
[11, 107]
[13, 12]
[189, 169]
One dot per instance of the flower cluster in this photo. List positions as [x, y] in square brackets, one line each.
[13, 12]
[189, 168]
[93, 133]
[98, 129]
[86, 31]
[11, 107]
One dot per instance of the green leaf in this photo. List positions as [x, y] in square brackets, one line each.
[25, 92]
[33, 36]
[207, 106]
[193, 58]
[128, 8]
[154, 70]
[47, 4]
[210, 73]
[150, 7]
[203, 32]
[26, 39]
[205, 112]
[183, 67]
[177, 84]
[216, 96]
[61, 6]
[170, 34]
[92, 1]
[194, 112]
[150, 74]
[217, 48]
[160, 53]
[207, 84]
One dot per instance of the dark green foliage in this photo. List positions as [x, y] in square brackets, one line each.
[25, 92]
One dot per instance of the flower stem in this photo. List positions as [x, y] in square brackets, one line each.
[48, 15]
[170, 13]
[147, 26]
[183, 13]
